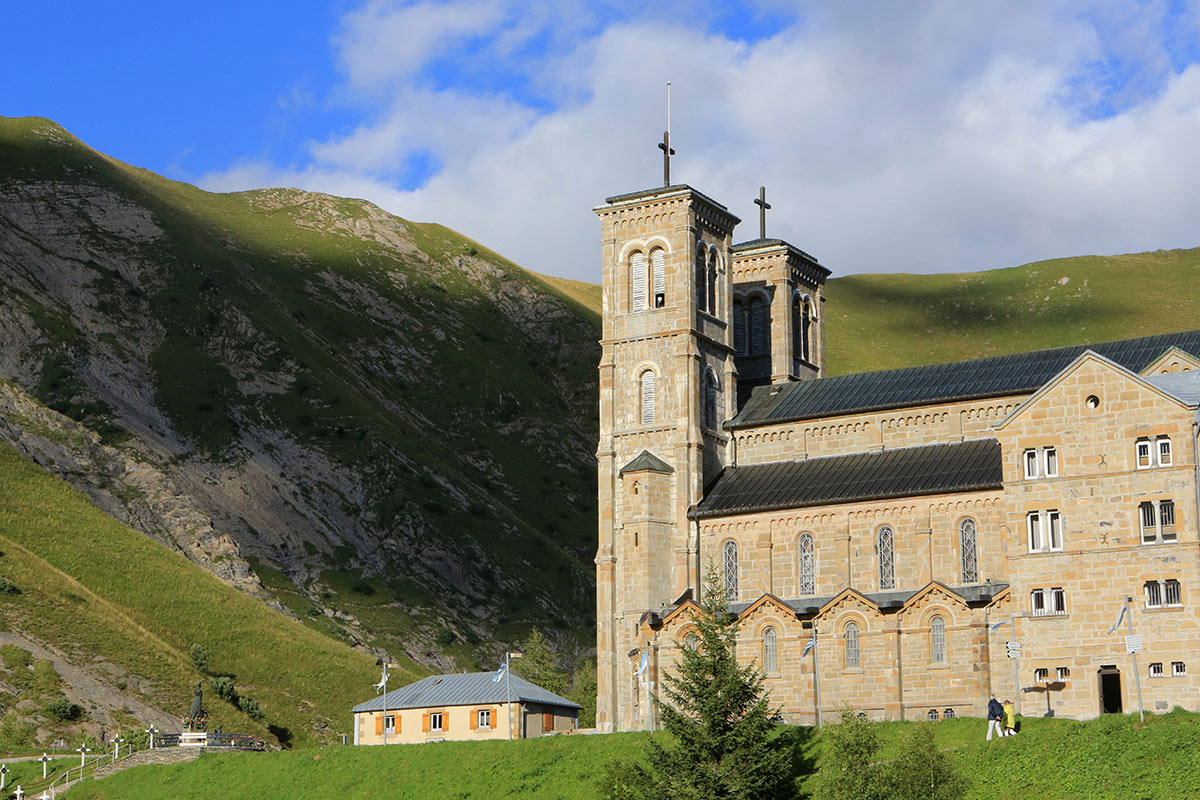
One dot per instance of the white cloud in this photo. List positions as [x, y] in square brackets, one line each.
[927, 136]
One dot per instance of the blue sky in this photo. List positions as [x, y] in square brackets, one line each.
[929, 135]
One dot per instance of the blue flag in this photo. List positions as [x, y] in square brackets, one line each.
[995, 625]
[499, 673]
[809, 645]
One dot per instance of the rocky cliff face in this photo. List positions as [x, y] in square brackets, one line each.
[280, 383]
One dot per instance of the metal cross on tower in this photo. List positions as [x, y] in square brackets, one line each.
[668, 151]
[763, 205]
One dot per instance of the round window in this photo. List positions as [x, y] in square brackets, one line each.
[1092, 402]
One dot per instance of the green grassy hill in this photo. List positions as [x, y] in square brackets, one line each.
[108, 598]
[1113, 758]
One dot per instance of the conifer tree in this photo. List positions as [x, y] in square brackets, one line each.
[537, 664]
[725, 743]
[848, 769]
[922, 772]
[583, 691]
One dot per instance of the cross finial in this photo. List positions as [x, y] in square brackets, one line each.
[763, 205]
[668, 151]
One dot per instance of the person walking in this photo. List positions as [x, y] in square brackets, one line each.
[1010, 719]
[995, 716]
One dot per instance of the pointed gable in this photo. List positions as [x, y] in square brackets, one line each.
[1173, 359]
[848, 600]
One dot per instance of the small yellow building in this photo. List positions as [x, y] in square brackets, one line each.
[466, 706]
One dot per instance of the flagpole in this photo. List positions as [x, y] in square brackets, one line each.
[816, 676]
[508, 692]
[1137, 676]
[1012, 619]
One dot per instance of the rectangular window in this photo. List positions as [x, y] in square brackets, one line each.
[485, 719]
[1051, 460]
[1153, 594]
[1166, 519]
[1156, 670]
[1063, 674]
[1149, 522]
[1037, 602]
[1058, 601]
[1041, 675]
[1164, 451]
[1034, 522]
[1055, 530]
[389, 723]
[1031, 464]
[1178, 668]
[1143, 454]
[1173, 596]
[435, 721]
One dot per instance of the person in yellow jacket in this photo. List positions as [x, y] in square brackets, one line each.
[1010, 719]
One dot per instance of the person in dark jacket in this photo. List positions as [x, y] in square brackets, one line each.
[995, 715]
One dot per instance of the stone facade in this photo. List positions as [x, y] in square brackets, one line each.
[1098, 503]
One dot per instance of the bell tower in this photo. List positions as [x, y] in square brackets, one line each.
[667, 385]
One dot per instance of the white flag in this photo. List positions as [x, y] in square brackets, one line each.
[809, 645]
[1117, 624]
[645, 660]
[499, 673]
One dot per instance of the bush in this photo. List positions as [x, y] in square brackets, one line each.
[64, 710]
[15, 657]
[224, 688]
[445, 637]
[252, 709]
[8, 587]
[199, 657]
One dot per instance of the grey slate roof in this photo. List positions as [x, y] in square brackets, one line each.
[903, 472]
[463, 689]
[1183, 386]
[808, 606]
[646, 460]
[1022, 373]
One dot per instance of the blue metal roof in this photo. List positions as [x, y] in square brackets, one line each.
[463, 689]
[1022, 373]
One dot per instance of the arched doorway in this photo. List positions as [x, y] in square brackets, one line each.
[1110, 689]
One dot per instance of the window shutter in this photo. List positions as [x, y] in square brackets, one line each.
[445, 722]
[648, 411]
[495, 720]
[547, 721]
[379, 725]
[425, 722]
[398, 717]
[739, 329]
[660, 276]
[638, 278]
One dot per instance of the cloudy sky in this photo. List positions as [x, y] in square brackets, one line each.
[914, 136]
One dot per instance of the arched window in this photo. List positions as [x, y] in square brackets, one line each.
[808, 566]
[966, 544]
[852, 655]
[712, 281]
[770, 659]
[887, 559]
[658, 261]
[710, 399]
[692, 641]
[739, 328]
[637, 281]
[798, 328]
[648, 390]
[933, 715]
[948, 713]
[701, 279]
[758, 327]
[806, 331]
[937, 640]
[731, 571]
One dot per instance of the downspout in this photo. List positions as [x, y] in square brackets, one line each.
[900, 664]
[1196, 462]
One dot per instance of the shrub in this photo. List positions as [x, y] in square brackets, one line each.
[15, 657]
[445, 637]
[224, 688]
[8, 587]
[199, 657]
[252, 709]
[63, 709]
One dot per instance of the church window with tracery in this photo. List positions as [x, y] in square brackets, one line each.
[966, 542]
[710, 399]
[770, 658]
[887, 558]
[658, 261]
[637, 280]
[808, 566]
[937, 640]
[731, 571]
[648, 392]
[853, 661]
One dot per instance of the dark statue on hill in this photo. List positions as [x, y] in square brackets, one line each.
[195, 720]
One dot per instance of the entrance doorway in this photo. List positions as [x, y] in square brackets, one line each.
[1110, 690]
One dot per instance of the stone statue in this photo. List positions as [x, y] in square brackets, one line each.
[197, 702]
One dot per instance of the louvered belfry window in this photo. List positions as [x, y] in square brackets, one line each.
[887, 559]
[739, 328]
[808, 566]
[710, 399]
[758, 327]
[648, 391]
[701, 279]
[659, 261]
[731, 571]
[966, 542]
[712, 282]
[637, 278]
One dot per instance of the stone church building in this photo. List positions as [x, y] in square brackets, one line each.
[910, 522]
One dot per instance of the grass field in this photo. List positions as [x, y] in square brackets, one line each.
[1113, 757]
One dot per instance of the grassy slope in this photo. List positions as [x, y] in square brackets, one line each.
[1112, 757]
[106, 594]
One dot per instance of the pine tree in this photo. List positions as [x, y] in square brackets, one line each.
[922, 772]
[848, 768]
[537, 666]
[583, 691]
[725, 742]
